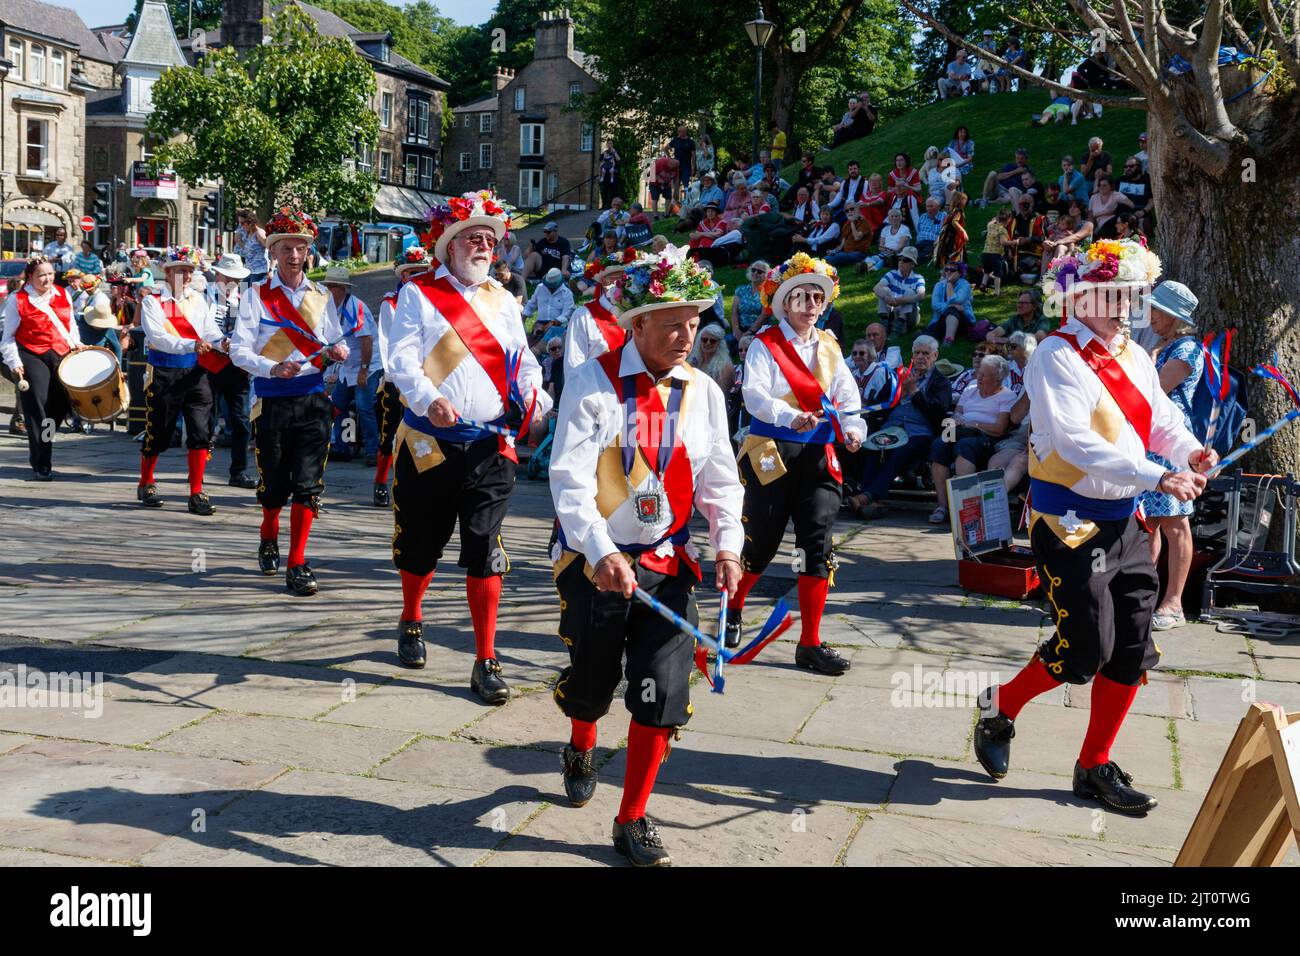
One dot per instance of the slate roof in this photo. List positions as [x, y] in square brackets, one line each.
[57, 23]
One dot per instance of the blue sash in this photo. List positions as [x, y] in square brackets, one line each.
[679, 539]
[823, 434]
[161, 359]
[282, 387]
[1049, 498]
[460, 432]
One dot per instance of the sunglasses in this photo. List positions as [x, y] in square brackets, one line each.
[858, 352]
[482, 239]
[951, 269]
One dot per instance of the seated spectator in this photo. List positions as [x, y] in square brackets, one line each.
[1072, 183]
[822, 235]
[1011, 453]
[1022, 345]
[862, 362]
[982, 69]
[944, 179]
[1126, 226]
[549, 308]
[754, 173]
[832, 320]
[962, 149]
[894, 238]
[553, 367]
[899, 294]
[1058, 237]
[924, 405]
[552, 251]
[857, 122]
[772, 182]
[983, 416]
[1141, 154]
[742, 204]
[508, 249]
[1004, 185]
[747, 305]
[1003, 78]
[967, 375]
[639, 228]
[826, 188]
[805, 178]
[1103, 206]
[1051, 201]
[1135, 183]
[1081, 106]
[1096, 163]
[1028, 318]
[1025, 232]
[710, 192]
[874, 202]
[928, 225]
[710, 357]
[1056, 111]
[904, 187]
[952, 311]
[993, 264]
[806, 210]
[855, 239]
[710, 229]
[852, 188]
[613, 219]
[956, 79]
[512, 280]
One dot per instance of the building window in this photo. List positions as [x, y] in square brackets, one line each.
[466, 123]
[484, 155]
[426, 172]
[575, 94]
[417, 121]
[532, 139]
[530, 188]
[519, 98]
[588, 136]
[386, 109]
[464, 166]
[36, 66]
[485, 122]
[142, 94]
[365, 160]
[38, 147]
[16, 57]
[198, 229]
[552, 185]
[412, 169]
[56, 69]
[385, 165]
[146, 147]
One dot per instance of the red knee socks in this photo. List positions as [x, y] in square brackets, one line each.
[584, 734]
[413, 588]
[484, 594]
[645, 752]
[147, 465]
[197, 460]
[300, 519]
[812, 602]
[382, 463]
[270, 524]
[1110, 704]
[747, 581]
[1033, 679]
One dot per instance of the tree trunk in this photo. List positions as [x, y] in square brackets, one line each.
[785, 90]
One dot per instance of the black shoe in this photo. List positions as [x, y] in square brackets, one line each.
[268, 556]
[299, 581]
[731, 633]
[486, 681]
[243, 481]
[381, 496]
[579, 776]
[1112, 788]
[200, 505]
[993, 740]
[823, 659]
[148, 495]
[45, 475]
[639, 841]
[410, 643]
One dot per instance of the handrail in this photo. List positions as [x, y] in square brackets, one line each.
[533, 210]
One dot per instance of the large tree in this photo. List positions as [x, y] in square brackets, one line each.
[284, 122]
[186, 15]
[1224, 152]
[420, 32]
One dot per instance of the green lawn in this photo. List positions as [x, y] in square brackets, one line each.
[998, 124]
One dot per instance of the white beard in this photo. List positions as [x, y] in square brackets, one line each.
[468, 271]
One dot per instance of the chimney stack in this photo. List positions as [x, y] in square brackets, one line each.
[554, 35]
[501, 78]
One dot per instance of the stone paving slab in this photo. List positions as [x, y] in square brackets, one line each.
[759, 703]
[109, 802]
[10, 742]
[866, 718]
[1199, 647]
[461, 765]
[117, 721]
[414, 706]
[533, 720]
[11, 856]
[292, 743]
[1201, 749]
[1227, 701]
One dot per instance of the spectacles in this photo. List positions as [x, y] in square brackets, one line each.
[482, 239]
[858, 352]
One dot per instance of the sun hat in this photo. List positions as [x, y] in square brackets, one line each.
[459, 213]
[177, 256]
[413, 259]
[799, 269]
[665, 280]
[231, 265]
[290, 223]
[338, 275]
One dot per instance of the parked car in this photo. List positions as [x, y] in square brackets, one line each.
[9, 269]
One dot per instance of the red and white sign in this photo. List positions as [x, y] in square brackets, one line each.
[87, 224]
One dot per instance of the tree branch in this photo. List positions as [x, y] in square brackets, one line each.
[1129, 42]
[1288, 51]
[1205, 72]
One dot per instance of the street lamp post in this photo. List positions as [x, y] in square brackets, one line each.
[760, 31]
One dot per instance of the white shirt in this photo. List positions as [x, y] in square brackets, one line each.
[895, 240]
[765, 387]
[223, 306]
[384, 326]
[12, 319]
[849, 188]
[251, 335]
[1063, 392]
[154, 322]
[583, 340]
[417, 327]
[353, 308]
[550, 306]
[977, 409]
[592, 419]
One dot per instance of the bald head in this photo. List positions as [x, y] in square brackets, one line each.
[876, 336]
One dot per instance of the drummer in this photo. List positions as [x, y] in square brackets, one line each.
[39, 331]
[183, 346]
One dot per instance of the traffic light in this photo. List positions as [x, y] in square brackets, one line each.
[210, 214]
[103, 208]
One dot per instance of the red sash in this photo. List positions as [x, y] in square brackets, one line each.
[213, 361]
[478, 338]
[36, 333]
[301, 334]
[1135, 406]
[807, 390]
[678, 480]
[608, 325]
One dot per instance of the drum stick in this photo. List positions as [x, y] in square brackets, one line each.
[23, 385]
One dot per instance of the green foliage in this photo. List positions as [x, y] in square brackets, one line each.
[420, 32]
[206, 15]
[283, 121]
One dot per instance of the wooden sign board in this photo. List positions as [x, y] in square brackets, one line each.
[1251, 814]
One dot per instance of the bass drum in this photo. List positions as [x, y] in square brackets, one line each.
[95, 384]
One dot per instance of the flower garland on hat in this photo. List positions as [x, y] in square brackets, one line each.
[292, 222]
[181, 255]
[614, 259]
[414, 256]
[671, 276]
[475, 205]
[1104, 261]
[799, 264]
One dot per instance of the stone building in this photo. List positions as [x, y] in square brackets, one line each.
[51, 61]
[529, 139]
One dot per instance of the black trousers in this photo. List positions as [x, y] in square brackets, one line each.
[291, 438]
[1102, 595]
[599, 627]
[231, 383]
[45, 404]
[172, 391]
[471, 486]
[807, 493]
[388, 415]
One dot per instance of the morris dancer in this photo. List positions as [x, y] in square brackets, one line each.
[287, 330]
[39, 330]
[802, 399]
[183, 346]
[593, 329]
[457, 349]
[1098, 407]
[230, 381]
[388, 401]
[354, 378]
[641, 441]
